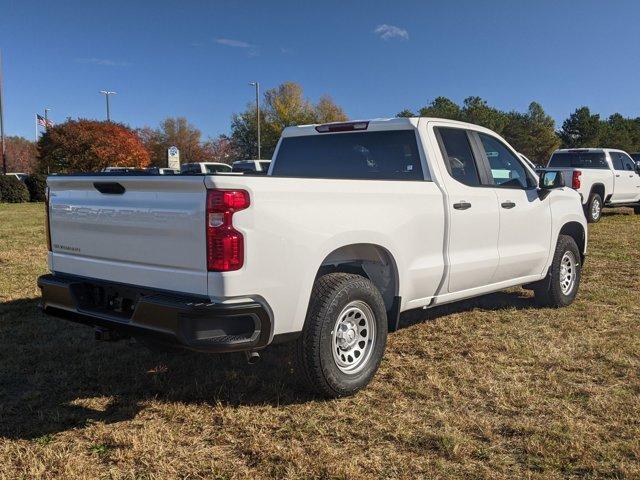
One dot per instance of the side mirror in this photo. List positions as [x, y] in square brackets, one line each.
[638, 168]
[551, 179]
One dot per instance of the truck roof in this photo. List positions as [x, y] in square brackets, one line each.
[590, 149]
[377, 124]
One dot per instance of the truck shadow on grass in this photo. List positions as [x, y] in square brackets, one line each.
[55, 377]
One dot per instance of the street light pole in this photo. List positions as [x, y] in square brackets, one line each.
[106, 94]
[257, 85]
[3, 152]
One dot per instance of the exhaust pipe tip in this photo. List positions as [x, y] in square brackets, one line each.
[252, 357]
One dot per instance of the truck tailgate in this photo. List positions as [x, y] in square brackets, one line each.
[142, 230]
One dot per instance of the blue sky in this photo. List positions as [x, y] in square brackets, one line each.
[194, 58]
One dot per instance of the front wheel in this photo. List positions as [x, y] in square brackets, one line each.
[636, 209]
[345, 335]
[561, 284]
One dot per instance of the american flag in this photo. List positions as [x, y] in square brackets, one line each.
[44, 122]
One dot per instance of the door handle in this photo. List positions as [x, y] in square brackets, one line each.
[508, 204]
[462, 205]
[617, 175]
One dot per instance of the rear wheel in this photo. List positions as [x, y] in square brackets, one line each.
[636, 209]
[345, 335]
[593, 211]
[560, 287]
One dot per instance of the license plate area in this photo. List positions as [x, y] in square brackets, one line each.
[110, 300]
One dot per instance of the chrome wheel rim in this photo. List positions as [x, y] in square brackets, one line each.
[595, 209]
[353, 337]
[568, 272]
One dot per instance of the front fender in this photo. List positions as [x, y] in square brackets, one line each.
[566, 207]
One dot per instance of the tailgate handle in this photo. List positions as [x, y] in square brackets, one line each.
[109, 188]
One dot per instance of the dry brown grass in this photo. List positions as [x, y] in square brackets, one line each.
[493, 388]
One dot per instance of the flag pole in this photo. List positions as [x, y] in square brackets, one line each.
[2, 144]
[36, 140]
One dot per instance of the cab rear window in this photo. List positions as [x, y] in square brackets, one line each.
[386, 155]
[578, 159]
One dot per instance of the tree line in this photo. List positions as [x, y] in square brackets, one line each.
[86, 145]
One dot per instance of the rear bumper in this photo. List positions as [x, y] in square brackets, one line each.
[192, 322]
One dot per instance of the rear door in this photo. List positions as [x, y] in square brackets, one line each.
[473, 213]
[140, 230]
[525, 218]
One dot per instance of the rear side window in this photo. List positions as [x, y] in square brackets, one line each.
[578, 159]
[386, 155]
[458, 156]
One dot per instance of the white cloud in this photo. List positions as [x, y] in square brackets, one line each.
[252, 50]
[387, 32]
[105, 62]
[229, 42]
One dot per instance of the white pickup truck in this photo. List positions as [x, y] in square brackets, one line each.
[604, 177]
[355, 223]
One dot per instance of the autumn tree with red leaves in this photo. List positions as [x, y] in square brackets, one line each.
[21, 155]
[89, 146]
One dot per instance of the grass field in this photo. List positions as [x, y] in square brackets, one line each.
[492, 388]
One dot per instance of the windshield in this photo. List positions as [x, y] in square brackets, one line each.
[578, 159]
[384, 155]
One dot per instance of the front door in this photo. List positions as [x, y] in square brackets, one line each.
[473, 214]
[525, 218]
[624, 186]
[632, 177]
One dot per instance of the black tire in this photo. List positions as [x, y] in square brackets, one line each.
[593, 210]
[331, 295]
[550, 292]
[636, 210]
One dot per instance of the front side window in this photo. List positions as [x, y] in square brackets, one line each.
[627, 162]
[382, 155]
[617, 160]
[506, 169]
[458, 156]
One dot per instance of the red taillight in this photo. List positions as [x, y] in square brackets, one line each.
[225, 245]
[46, 216]
[575, 181]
